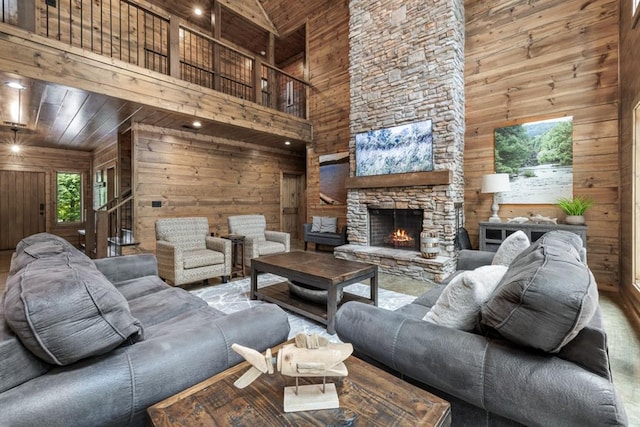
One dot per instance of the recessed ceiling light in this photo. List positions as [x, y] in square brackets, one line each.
[15, 85]
[197, 11]
[263, 53]
[287, 143]
[15, 148]
[196, 124]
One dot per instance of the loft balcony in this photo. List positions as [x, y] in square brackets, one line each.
[139, 53]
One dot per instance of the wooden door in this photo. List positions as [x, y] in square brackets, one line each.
[291, 202]
[22, 206]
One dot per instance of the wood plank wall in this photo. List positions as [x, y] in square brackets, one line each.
[194, 175]
[537, 60]
[629, 99]
[329, 102]
[50, 161]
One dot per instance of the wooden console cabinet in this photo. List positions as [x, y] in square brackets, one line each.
[493, 233]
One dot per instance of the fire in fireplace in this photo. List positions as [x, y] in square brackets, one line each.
[395, 228]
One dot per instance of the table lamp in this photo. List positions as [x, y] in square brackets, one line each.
[495, 183]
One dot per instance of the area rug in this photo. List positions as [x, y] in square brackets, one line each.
[234, 296]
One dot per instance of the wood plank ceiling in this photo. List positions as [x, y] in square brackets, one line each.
[52, 115]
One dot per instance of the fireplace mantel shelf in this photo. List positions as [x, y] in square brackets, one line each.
[442, 177]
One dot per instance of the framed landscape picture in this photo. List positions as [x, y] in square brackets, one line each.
[538, 156]
[397, 149]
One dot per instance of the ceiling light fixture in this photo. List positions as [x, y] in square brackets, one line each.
[197, 11]
[287, 143]
[196, 124]
[15, 85]
[15, 148]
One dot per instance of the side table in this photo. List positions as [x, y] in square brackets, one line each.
[237, 249]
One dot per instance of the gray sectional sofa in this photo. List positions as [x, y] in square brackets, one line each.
[94, 343]
[537, 355]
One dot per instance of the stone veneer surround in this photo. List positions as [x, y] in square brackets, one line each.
[407, 65]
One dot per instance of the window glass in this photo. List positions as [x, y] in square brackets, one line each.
[68, 197]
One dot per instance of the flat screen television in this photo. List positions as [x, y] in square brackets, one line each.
[397, 149]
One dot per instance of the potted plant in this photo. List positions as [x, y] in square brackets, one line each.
[574, 208]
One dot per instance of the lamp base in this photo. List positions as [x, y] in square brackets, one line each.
[495, 207]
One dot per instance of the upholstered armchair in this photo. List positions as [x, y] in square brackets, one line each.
[258, 240]
[186, 253]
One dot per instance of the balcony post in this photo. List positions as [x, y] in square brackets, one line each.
[174, 47]
[216, 19]
[257, 78]
[27, 15]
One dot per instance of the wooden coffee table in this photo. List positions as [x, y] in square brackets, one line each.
[321, 271]
[368, 396]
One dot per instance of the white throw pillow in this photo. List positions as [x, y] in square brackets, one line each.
[324, 224]
[328, 224]
[315, 225]
[459, 303]
[510, 248]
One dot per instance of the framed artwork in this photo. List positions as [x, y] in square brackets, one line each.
[397, 149]
[334, 170]
[538, 156]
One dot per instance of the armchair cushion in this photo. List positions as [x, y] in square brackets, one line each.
[201, 258]
[549, 286]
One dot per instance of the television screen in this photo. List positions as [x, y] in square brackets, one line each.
[398, 149]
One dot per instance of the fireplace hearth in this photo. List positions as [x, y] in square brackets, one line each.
[395, 228]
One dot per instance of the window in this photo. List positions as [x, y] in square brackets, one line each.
[68, 197]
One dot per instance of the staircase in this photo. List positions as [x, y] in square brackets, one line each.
[109, 231]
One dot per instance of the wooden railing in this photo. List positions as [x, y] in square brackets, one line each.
[113, 226]
[126, 31]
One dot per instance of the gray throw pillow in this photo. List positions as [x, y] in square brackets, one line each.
[63, 313]
[546, 296]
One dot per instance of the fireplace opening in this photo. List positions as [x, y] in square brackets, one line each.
[395, 228]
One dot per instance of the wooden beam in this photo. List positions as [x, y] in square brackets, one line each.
[443, 177]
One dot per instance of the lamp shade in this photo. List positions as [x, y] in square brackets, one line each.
[495, 183]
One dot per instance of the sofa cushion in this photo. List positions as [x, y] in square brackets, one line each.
[201, 258]
[17, 364]
[458, 306]
[510, 248]
[546, 296]
[324, 224]
[67, 312]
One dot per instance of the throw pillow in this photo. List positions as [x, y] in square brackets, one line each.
[547, 295]
[510, 248]
[316, 223]
[458, 306]
[324, 224]
[67, 312]
[328, 224]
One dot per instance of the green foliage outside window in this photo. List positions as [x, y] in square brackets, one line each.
[69, 197]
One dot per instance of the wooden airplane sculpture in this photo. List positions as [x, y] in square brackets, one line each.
[309, 356]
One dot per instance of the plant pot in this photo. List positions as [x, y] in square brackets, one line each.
[574, 219]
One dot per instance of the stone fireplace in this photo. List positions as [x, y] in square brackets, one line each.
[407, 65]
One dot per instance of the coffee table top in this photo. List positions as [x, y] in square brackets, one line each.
[368, 396]
[324, 266]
